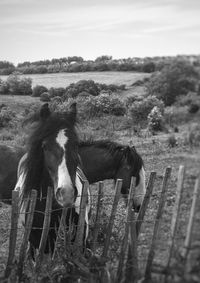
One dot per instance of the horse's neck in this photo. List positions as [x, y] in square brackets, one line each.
[98, 164]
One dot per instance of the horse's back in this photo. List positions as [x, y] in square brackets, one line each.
[9, 159]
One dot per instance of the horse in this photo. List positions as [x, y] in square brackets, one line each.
[52, 160]
[102, 159]
[9, 160]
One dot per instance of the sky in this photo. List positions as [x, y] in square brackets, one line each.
[33, 30]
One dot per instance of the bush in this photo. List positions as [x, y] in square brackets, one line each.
[174, 115]
[193, 108]
[6, 116]
[175, 79]
[17, 86]
[190, 98]
[193, 136]
[44, 97]
[155, 120]
[38, 90]
[73, 90]
[4, 87]
[59, 91]
[172, 141]
[140, 110]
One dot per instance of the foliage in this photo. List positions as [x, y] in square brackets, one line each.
[190, 98]
[155, 119]
[74, 89]
[193, 135]
[59, 91]
[4, 87]
[175, 79]
[172, 141]
[193, 108]
[6, 68]
[38, 90]
[44, 97]
[103, 58]
[6, 116]
[140, 110]
[16, 86]
[174, 115]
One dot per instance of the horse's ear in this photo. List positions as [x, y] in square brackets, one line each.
[45, 111]
[73, 112]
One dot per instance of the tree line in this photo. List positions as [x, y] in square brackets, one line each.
[101, 63]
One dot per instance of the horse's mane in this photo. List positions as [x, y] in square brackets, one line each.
[37, 177]
[117, 150]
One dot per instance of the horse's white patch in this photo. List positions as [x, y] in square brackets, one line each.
[64, 179]
[62, 139]
[141, 188]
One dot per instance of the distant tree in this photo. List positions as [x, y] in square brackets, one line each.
[177, 78]
[6, 64]
[103, 58]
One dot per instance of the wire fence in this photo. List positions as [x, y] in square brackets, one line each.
[115, 236]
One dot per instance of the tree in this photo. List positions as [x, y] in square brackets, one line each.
[103, 58]
[177, 78]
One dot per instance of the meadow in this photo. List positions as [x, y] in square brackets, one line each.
[157, 154]
[65, 79]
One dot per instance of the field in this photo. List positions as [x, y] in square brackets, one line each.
[64, 79]
[157, 155]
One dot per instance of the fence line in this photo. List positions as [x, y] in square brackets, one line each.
[128, 261]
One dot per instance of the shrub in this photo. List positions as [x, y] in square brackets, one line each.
[44, 97]
[190, 98]
[38, 90]
[4, 87]
[174, 80]
[193, 135]
[174, 115]
[59, 91]
[172, 141]
[155, 119]
[140, 110]
[193, 108]
[6, 116]
[17, 86]
[73, 90]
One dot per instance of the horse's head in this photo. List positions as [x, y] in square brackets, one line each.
[52, 157]
[132, 165]
[61, 157]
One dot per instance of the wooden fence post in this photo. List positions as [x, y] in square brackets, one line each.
[13, 232]
[156, 225]
[112, 217]
[176, 210]
[45, 230]
[62, 226]
[98, 212]
[132, 260]
[81, 220]
[145, 202]
[128, 237]
[187, 243]
[27, 230]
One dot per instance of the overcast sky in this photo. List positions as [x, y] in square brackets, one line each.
[45, 29]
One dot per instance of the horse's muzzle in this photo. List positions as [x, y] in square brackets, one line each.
[64, 198]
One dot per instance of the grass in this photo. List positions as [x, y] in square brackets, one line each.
[157, 156]
[65, 79]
